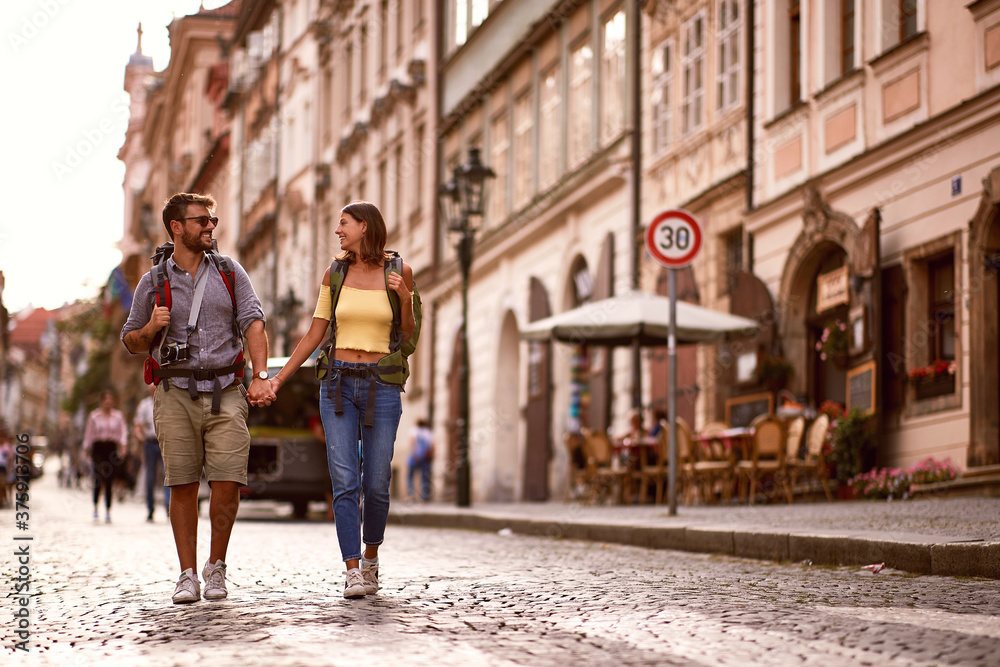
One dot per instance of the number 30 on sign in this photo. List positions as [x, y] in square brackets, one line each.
[674, 238]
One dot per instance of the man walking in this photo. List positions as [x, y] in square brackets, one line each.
[145, 432]
[194, 316]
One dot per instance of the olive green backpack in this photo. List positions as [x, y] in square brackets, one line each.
[394, 368]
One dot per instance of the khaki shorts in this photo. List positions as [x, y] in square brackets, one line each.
[191, 437]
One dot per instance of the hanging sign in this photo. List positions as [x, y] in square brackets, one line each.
[832, 289]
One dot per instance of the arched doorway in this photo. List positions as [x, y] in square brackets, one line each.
[825, 247]
[827, 368]
[506, 418]
[984, 332]
[538, 411]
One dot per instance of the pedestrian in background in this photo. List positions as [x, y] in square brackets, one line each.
[364, 321]
[7, 459]
[104, 441]
[199, 407]
[145, 432]
[421, 459]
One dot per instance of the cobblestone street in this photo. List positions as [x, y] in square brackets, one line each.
[454, 597]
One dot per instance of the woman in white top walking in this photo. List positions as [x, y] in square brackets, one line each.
[104, 440]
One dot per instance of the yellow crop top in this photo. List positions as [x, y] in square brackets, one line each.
[364, 318]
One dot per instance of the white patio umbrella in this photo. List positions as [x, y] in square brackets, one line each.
[621, 319]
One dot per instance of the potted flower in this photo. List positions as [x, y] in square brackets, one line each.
[934, 380]
[774, 371]
[832, 343]
[854, 444]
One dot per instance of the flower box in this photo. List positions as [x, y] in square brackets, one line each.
[938, 385]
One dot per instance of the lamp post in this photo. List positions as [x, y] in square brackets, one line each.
[463, 199]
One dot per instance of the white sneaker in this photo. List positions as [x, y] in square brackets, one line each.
[215, 580]
[188, 589]
[369, 572]
[355, 586]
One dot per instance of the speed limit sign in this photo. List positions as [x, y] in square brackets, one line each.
[674, 238]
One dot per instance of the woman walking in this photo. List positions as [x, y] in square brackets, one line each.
[355, 402]
[104, 440]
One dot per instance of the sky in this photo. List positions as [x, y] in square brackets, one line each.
[62, 122]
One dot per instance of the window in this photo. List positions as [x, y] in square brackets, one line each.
[694, 73]
[580, 104]
[499, 150]
[468, 14]
[794, 50]
[549, 130]
[326, 108]
[461, 22]
[907, 19]
[941, 315]
[363, 76]
[383, 185]
[523, 152]
[613, 78]
[348, 75]
[733, 247]
[419, 171]
[397, 186]
[383, 41]
[847, 36]
[663, 81]
[729, 54]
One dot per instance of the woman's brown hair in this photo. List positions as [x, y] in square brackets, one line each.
[373, 242]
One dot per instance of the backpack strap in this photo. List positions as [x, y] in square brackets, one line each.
[394, 263]
[338, 273]
[224, 266]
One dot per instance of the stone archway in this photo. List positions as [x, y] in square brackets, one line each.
[824, 231]
[984, 306]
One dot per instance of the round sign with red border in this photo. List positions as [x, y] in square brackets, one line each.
[674, 238]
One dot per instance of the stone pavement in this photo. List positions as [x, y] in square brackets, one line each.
[461, 597]
[936, 535]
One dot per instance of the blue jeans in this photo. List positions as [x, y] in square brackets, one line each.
[424, 468]
[154, 463]
[365, 475]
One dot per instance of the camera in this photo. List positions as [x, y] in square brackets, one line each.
[171, 352]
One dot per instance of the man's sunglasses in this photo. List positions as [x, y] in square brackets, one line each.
[203, 220]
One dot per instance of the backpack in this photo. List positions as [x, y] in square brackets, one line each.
[393, 368]
[152, 371]
[424, 449]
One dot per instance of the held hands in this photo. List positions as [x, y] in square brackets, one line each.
[260, 393]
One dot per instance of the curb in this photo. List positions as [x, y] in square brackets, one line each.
[909, 552]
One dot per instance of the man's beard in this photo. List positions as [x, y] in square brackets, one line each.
[195, 243]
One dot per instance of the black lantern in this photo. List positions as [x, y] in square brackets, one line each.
[462, 199]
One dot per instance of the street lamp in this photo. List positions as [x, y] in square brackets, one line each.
[462, 199]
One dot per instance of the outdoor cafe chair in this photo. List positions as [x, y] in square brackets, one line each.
[714, 465]
[813, 466]
[767, 460]
[658, 474]
[604, 481]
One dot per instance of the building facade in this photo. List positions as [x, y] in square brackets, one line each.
[874, 204]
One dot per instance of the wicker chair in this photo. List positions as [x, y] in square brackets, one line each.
[813, 466]
[714, 466]
[604, 482]
[658, 473]
[767, 460]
